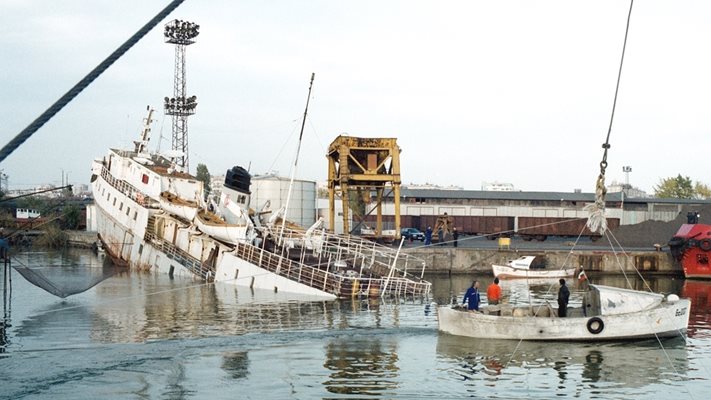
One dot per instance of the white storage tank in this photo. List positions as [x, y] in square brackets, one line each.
[302, 205]
[323, 212]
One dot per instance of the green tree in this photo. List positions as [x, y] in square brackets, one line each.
[680, 187]
[203, 175]
[33, 202]
[70, 216]
[702, 191]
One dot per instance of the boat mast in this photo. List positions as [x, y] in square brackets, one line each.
[296, 159]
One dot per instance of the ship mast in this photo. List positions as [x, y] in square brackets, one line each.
[296, 159]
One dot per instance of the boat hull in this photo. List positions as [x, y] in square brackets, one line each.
[691, 246]
[123, 235]
[696, 263]
[667, 320]
[507, 272]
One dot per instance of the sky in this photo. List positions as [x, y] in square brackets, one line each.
[516, 92]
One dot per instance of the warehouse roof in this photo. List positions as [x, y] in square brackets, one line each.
[527, 196]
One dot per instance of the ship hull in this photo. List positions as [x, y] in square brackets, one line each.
[123, 237]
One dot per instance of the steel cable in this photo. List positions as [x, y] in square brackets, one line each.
[13, 144]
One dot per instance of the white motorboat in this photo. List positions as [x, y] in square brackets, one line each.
[607, 313]
[522, 268]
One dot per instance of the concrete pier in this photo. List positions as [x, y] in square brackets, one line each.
[81, 239]
[470, 260]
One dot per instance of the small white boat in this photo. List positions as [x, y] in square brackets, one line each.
[608, 313]
[214, 226]
[177, 206]
[521, 268]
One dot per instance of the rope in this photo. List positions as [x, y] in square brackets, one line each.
[597, 221]
[13, 144]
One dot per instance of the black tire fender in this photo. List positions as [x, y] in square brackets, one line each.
[595, 325]
[705, 244]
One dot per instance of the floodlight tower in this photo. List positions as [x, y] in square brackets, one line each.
[181, 34]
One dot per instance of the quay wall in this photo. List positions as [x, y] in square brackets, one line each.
[450, 260]
[466, 260]
[81, 239]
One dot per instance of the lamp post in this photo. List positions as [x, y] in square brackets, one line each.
[627, 169]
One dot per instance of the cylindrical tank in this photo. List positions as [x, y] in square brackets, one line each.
[302, 205]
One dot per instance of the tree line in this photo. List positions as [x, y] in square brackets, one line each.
[681, 187]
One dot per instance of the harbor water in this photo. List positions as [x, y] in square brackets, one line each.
[142, 335]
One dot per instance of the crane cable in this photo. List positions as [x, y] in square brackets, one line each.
[21, 137]
[596, 221]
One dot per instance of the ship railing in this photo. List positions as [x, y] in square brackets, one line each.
[332, 279]
[360, 253]
[127, 189]
[293, 270]
[183, 258]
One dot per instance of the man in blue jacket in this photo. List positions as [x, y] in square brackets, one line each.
[428, 236]
[472, 297]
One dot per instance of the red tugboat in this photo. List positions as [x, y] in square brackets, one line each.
[691, 246]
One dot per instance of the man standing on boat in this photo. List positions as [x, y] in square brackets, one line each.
[493, 293]
[563, 296]
[472, 297]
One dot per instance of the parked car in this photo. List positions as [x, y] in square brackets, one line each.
[412, 234]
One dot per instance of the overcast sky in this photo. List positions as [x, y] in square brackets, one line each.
[474, 91]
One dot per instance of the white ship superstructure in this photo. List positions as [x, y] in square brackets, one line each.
[151, 216]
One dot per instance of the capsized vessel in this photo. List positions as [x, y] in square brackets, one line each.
[143, 209]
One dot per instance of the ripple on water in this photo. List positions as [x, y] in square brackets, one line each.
[143, 335]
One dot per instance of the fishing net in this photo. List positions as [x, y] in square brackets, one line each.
[66, 280]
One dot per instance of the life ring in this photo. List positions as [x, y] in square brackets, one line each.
[595, 325]
[705, 244]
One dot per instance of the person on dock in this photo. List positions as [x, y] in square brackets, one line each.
[563, 296]
[428, 236]
[493, 293]
[440, 236]
[455, 236]
[472, 297]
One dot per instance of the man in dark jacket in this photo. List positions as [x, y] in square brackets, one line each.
[563, 296]
[472, 297]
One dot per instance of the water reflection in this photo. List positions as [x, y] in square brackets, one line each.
[135, 307]
[699, 320]
[215, 341]
[627, 364]
[236, 364]
[361, 366]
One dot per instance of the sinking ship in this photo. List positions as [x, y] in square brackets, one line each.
[151, 215]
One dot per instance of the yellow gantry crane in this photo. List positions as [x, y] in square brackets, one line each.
[363, 166]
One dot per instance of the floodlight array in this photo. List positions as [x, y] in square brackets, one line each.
[181, 32]
[180, 105]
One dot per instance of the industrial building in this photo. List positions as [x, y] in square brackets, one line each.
[486, 212]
